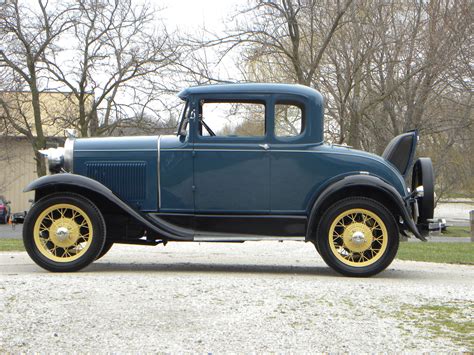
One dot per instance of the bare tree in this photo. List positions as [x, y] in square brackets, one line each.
[409, 74]
[384, 67]
[287, 37]
[117, 54]
[27, 35]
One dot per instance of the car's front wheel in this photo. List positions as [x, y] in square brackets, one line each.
[358, 236]
[64, 232]
[107, 246]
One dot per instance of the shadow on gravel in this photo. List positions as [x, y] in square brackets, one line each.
[232, 268]
[211, 268]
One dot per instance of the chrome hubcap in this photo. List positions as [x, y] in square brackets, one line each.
[358, 237]
[62, 233]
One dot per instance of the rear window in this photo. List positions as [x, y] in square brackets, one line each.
[288, 120]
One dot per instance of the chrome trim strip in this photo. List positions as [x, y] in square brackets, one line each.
[159, 172]
[115, 150]
[241, 238]
[177, 150]
[254, 150]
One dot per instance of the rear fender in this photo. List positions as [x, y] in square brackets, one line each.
[360, 185]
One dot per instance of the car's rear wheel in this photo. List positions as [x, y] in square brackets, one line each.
[357, 237]
[64, 232]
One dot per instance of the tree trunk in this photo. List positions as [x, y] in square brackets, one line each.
[39, 142]
[40, 162]
[355, 113]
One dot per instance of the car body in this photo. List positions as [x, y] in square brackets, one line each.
[266, 175]
[5, 210]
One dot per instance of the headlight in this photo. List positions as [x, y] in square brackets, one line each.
[60, 159]
[68, 154]
[55, 158]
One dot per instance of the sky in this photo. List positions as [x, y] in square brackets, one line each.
[194, 15]
[190, 14]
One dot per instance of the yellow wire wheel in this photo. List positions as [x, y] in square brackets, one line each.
[358, 237]
[63, 232]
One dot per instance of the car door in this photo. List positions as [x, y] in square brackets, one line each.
[231, 159]
[295, 170]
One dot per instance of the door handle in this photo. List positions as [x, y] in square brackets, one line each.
[264, 146]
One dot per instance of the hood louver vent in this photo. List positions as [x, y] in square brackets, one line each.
[126, 179]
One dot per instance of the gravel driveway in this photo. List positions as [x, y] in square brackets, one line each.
[256, 296]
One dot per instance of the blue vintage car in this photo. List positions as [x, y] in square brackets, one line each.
[247, 163]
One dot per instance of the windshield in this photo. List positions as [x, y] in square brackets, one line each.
[183, 118]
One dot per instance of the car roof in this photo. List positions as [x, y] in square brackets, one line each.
[252, 88]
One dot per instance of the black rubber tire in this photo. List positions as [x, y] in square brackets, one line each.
[423, 175]
[95, 217]
[107, 246]
[322, 236]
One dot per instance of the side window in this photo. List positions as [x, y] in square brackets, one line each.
[232, 119]
[288, 120]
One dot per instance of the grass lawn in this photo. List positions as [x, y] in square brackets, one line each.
[451, 320]
[457, 232]
[11, 245]
[451, 253]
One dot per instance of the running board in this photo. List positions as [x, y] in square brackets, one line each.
[242, 238]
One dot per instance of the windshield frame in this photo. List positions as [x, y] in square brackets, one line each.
[183, 121]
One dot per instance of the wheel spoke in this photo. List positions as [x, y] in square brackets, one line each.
[365, 218]
[349, 250]
[52, 243]
[340, 224]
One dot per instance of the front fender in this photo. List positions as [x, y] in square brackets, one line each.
[72, 182]
[351, 186]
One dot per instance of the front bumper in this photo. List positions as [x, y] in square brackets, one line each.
[18, 218]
